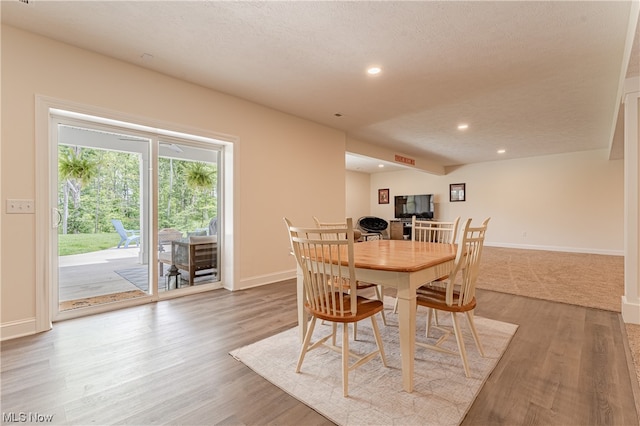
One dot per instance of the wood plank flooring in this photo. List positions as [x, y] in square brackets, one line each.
[168, 363]
[566, 365]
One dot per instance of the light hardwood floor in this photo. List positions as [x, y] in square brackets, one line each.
[168, 363]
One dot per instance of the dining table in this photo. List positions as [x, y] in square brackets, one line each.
[401, 264]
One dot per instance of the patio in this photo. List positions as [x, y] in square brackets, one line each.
[98, 277]
[93, 274]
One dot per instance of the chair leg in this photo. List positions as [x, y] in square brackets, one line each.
[355, 331]
[334, 327]
[345, 359]
[381, 298]
[474, 332]
[376, 334]
[305, 344]
[429, 315]
[460, 340]
[432, 314]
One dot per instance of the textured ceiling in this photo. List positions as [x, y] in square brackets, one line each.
[532, 78]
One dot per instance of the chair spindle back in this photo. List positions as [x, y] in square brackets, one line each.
[434, 232]
[467, 262]
[325, 258]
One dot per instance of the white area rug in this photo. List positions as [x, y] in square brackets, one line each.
[442, 394]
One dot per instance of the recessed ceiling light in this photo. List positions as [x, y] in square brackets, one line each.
[463, 126]
[374, 70]
[502, 151]
[381, 165]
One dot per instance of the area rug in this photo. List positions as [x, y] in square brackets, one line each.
[140, 278]
[99, 300]
[442, 394]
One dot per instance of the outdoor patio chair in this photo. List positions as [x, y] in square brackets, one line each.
[126, 235]
[213, 226]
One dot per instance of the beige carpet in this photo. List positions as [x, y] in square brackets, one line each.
[442, 393]
[595, 281]
[591, 280]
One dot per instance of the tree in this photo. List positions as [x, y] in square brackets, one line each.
[77, 169]
[187, 197]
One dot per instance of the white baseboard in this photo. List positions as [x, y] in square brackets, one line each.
[630, 311]
[15, 329]
[556, 248]
[285, 275]
[266, 279]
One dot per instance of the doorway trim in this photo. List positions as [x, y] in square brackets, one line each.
[44, 217]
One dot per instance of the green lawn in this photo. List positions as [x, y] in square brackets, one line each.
[85, 243]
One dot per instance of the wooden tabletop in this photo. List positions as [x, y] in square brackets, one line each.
[401, 255]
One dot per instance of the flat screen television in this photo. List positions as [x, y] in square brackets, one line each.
[409, 205]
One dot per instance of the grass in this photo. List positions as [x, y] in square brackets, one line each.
[85, 243]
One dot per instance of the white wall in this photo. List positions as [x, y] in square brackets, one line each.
[567, 202]
[274, 179]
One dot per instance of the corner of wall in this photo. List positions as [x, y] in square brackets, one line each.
[630, 311]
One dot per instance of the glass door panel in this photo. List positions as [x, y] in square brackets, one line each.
[187, 214]
[101, 236]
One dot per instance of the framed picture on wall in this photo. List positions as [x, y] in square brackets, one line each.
[383, 196]
[457, 192]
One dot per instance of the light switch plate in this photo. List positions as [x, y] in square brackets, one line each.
[20, 206]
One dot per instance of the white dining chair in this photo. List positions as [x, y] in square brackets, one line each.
[322, 256]
[433, 232]
[457, 296]
[360, 285]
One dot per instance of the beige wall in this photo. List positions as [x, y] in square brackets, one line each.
[282, 169]
[564, 202]
[567, 202]
[358, 188]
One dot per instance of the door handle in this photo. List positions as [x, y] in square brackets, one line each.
[57, 217]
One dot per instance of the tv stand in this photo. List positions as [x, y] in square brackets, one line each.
[400, 229]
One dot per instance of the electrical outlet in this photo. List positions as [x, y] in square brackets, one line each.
[20, 206]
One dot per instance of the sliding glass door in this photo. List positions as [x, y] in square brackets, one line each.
[122, 231]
